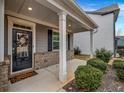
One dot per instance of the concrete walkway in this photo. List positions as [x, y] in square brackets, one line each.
[47, 79]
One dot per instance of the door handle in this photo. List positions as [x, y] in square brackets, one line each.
[13, 49]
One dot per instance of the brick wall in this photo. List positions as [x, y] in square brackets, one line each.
[41, 60]
[4, 82]
[50, 58]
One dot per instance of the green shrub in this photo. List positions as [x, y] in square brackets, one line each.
[88, 77]
[120, 52]
[103, 54]
[118, 65]
[118, 61]
[77, 51]
[120, 74]
[98, 63]
[120, 47]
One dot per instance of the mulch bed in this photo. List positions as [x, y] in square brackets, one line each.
[22, 76]
[71, 87]
[82, 57]
[110, 83]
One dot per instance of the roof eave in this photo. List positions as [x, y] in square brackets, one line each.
[116, 13]
[83, 12]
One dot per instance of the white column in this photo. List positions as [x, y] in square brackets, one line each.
[91, 44]
[62, 48]
[2, 30]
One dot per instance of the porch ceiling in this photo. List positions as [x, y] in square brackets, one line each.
[42, 13]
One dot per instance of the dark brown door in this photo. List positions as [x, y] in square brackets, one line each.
[22, 50]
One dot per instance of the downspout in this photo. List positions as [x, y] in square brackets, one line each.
[92, 42]
[114, 36]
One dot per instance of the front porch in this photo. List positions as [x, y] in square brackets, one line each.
[38, 33]
[47, 79]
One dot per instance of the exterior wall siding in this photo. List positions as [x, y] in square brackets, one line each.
[4, 76]
[103, 38]
[41, 38]
[42, 58]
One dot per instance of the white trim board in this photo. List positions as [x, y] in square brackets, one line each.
[2, 30]
[33, 20]
[11, 21]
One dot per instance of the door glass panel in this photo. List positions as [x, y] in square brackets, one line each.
[22, 45]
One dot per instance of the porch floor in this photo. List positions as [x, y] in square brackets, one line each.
[47, 79]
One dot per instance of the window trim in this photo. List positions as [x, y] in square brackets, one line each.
[59, 40]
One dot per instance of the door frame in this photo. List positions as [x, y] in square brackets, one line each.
[11, 22]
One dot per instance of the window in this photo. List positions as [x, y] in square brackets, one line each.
[55, 40]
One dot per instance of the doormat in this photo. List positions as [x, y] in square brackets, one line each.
[22, 76]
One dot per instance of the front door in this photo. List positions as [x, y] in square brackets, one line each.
[22, 50]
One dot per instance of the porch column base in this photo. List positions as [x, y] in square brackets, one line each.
[91, 56]
[4, 80]
[62, 77]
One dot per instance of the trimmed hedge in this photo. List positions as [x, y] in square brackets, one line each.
[120, 74]
[118, 61]
[88, 77]
[103, 54]
[118, 64]
[97, 63]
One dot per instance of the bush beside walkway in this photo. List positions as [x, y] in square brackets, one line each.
[110, 83]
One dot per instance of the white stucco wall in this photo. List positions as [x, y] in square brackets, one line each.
[103, 38]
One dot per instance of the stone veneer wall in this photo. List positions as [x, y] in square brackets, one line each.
[4, 81]
[50, 58]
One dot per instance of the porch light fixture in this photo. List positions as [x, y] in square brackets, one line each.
[30, 8]
[69, 25]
